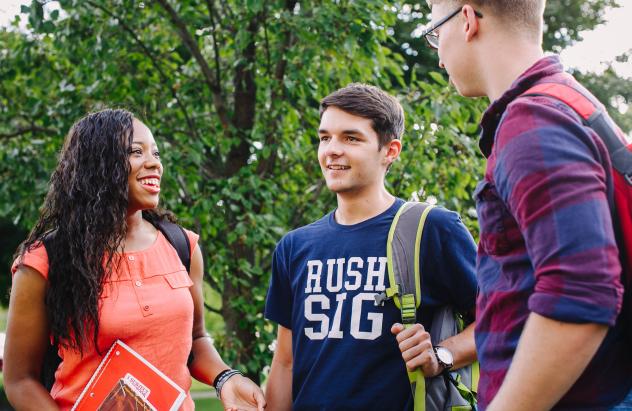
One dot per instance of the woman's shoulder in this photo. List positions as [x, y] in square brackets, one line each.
[170, 232]
[193, 238]
[192, 235]
[35, 257]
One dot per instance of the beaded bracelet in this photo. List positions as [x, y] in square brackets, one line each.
[221, 379]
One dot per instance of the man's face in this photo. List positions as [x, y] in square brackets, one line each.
[348, 153]
[455, 53]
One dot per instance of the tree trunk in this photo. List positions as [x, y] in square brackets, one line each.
[239, 335]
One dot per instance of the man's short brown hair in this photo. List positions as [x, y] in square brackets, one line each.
[523, 15]
[363, 100]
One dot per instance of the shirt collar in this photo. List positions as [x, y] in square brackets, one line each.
[544, 67]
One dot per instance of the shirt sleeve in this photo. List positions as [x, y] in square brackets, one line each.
[36, 258]
[454, 260]
[551, 175]
[279, 300]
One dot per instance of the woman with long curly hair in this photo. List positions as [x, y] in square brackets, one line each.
[106, 273]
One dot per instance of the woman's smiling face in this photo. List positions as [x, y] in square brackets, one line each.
[145, 170]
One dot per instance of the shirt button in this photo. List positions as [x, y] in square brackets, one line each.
[131, 258]
[138, 283]
[146, 308]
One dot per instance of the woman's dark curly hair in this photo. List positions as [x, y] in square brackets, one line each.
[84, 220]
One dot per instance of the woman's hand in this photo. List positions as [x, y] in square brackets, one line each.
[241, 394]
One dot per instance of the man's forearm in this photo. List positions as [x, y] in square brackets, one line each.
[551, 355]
[279, 387]
[462, 347]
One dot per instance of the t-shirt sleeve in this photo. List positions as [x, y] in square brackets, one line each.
[279, 300]
[456, 264]
[550, 174]
[36, 258]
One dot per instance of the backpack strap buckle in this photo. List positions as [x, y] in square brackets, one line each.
[386, 295]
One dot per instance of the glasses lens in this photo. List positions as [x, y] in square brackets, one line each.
[433, 39]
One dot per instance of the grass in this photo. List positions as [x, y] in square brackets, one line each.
[201, 404]
[208, 404]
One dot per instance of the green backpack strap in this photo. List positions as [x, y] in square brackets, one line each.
[402, 254]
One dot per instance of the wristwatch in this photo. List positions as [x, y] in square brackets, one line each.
[444, 357]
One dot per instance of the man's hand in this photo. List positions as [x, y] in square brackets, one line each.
[241, 394]
[416, 348]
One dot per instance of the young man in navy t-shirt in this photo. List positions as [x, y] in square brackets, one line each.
[337, 350]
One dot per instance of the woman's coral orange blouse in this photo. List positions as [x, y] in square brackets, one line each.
[146, 304]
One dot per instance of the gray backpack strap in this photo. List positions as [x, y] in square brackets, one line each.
[454, 390]
[402, 254]
[404, 276]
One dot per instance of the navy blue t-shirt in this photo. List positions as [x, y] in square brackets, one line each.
[324, 279]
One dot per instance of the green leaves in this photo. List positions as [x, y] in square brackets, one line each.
[438, 78]
[239, 178]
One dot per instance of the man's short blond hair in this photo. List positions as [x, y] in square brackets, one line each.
[525, 16]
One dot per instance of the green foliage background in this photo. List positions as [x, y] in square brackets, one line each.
[230, 90]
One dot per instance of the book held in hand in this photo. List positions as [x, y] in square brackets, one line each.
[126, 381]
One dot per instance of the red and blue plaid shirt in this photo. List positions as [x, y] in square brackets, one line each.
[546, 243]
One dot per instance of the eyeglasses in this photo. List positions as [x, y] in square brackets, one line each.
[430, 33]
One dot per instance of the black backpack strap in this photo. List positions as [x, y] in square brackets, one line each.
[50, 363]
[178, 239]
[47, 240]
[51, 360]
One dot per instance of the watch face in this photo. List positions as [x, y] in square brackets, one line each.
[445, 356]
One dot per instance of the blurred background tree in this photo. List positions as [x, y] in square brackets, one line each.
[230, 89]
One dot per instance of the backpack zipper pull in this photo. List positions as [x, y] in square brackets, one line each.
[381, 298]
[386, 295]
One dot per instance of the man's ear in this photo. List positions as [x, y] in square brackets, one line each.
[393, 148]
[470, 26]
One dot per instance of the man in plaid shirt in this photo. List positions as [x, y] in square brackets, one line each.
[548, 267]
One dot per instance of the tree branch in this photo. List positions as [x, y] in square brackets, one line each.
[267, 266]
[245, 99]
[400, 178]
[218, 77]
[298, 212]
[212, 83]
[267, 164]
[229, 11]
[267, 43]
[154, 62]
[211, 309]
[212, 282]
[186, 198]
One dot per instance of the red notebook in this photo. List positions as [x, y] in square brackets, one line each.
[126, 381]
